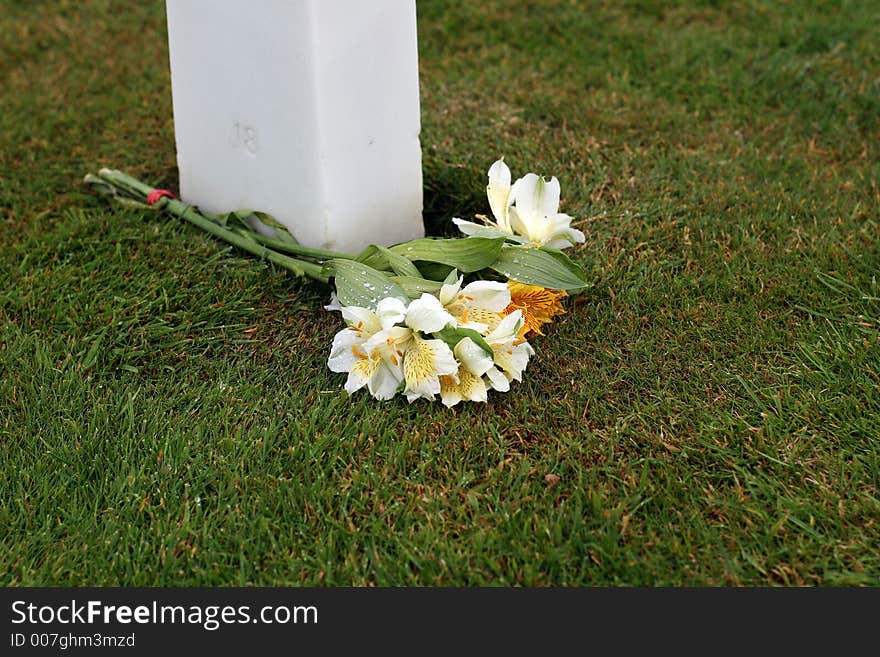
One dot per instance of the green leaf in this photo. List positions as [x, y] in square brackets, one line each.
[567, 262]
[373, 257]
[400, 265]
[465, 254]
[434, 271]
[384, 259]
[238, 218]
[249, 220]
[358, 284]
[281, 232]
[452, 336]
[539, 267]
[414, 286]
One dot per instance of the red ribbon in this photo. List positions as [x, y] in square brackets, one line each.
[154, 196]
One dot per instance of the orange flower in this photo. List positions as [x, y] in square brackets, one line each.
[538, 305]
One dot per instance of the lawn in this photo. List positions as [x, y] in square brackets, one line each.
[707, 414]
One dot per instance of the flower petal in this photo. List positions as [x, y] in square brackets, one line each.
[572, 237]
[473, 358]
[526, 195]
[535, 197]
[519, 226]
[473, 388]
[513, 359]
[493, 296]
[468, 387]
[549, 197]
[448, 291]
[360, 374]
[498, 191]
[391, 344]
[559, 233]
[362, 319]
[479, 327]
[450, 395]
[497, 380]
[538, 305]
[467, 227]
[345, 350]
[384, 381]
[390, 311]
[334, 302]
[427, 314]
[507, 330]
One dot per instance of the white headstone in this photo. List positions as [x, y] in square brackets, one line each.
[307, 110]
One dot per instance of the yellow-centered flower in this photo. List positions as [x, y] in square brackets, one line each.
[424, 364]
[538, 305]
[479, 305]
[371, 349]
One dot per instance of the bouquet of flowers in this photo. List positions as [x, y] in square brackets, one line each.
[431, 316]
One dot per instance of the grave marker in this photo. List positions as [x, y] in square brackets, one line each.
[307, 110]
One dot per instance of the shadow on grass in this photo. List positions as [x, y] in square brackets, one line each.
[451, 191]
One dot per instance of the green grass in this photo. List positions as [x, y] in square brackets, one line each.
[710, 411]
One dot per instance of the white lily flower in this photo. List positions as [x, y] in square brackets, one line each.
[535, 213]
[528, 209]
[424, 361]
[511, 352]
[371, 349]
[423, 364]
[478, 306]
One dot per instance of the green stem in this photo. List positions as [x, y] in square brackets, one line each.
[245, 242]
[131, 185]
[298, 249]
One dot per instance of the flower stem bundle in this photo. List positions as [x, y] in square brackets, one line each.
[414, 325]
